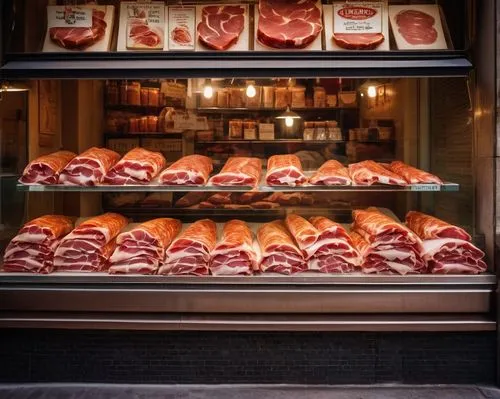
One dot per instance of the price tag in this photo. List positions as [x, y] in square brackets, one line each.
[69, 17]
[425, 187]
[357, 17]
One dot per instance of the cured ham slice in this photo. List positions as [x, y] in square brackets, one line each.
[334, 251]
[32, 249]
[89, 168]
[141, 250]
[190, 251]
[239, 171]
[138, 166]
[304, 233]
[46, 169]
[234, 254]
[413, 175]
[221, 26]
[191, 170]
[89, 246]
[285, 170]
[331, 173]
[429, 227]
[367, 173]
[279, 252]
[446, 248]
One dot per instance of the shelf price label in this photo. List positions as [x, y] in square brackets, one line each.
[425, 187]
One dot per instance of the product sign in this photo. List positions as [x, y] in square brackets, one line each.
[69, 17]
[145, 24]
[425, 187]
[358, 17]
[181, 25]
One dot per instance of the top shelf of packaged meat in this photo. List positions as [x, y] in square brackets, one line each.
[158, 39]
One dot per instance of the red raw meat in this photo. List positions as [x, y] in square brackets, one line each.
[145, 35]
[190, 199]
[358, 41]
[138, 166]
[234, 254]
[191, 170]
[304, 233]
[367, 173]
[331, 173]
[81, 38]
[285, 170]
[73, 260]
[264, 205]
[180, 35]
[44, 230]
[288, 24]
[290, 199]
[221, 26]
[413, 175]
[251, 197]
[239, 171]
[89, 168]
[190, 251]
[417, 27]
[428, 227]
[46, 169]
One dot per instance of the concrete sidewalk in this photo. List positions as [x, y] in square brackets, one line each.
[96, 391]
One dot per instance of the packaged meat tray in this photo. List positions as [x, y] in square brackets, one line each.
[418, 27]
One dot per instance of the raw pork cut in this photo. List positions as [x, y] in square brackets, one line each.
[190, 251]
[46, 169]
[285, 170]
[141, 250]
[138, 166]
[239, 171]
[289, 24]
[251, 197]
[413, 175]
[334, 251]
[89, 168]
[190, 199]
[141, 35]
[304, 233]
[89, 246]
[234, 254]
[417, 27]
[278, 250]
[221, 26]
[331, 173]
[290, 199]
[191, 170]
[32, 249]
[428, 227]
[367, 173]
[358, 41]
[81, 38]
[180, 35]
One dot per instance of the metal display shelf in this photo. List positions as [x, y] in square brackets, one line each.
[277, 141]
[446, 187]
[216, 110]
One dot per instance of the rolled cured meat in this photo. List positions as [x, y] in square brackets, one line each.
[190, 252]
[89, 168]
[32, 249]
[331, 173]
[141, 250]
[138, 166]
[46, 169]
[285, 170]
[90, 245]
[367, 173]
[304, 233]
[334, 251]
[278, 250]
[191, 170]
[429, 227]
[234, 254]
[239, 171]
[413, 175]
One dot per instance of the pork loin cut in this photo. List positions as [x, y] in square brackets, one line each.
[358, 41]
[138, 166]
[367, 173]
[221, 26]
[429, 227]
[289, 24]
[142, 35]
[89, 168]
[239, 171]
[413, 175]
[191, 170]
[304, 233]
[44, 230]
[46, 169]
[331, 173]
[285, 170]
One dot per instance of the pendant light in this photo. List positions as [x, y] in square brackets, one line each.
[251, 90]
[289, 116]
[208, 90]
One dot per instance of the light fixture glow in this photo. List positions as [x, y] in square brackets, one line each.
[372, 91]
[251, 90]
[208, 90]
[289, 121]
[289, 116]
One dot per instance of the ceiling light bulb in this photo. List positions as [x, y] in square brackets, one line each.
[289, 121]
[208, 90]
[372, 91]
[251, 91]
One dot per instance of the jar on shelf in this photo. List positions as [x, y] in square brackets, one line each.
[134, 93]
[281, 97]
[319, 97]
[250, 129]
[133, 125]
[223, 98]
[153, 97]
[236, 97]
[320, 130]
[298, 97]
[152, 124]
[236, 129]
[144, 96]
[143, 124]
[123, 93]
[268, 96]
[112, 93]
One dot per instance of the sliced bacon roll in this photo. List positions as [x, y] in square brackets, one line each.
[304, 233]
[429, 227]
[331, 173]
[191, 170]
[138, 166]
[239, 171]
[32, 249]
[367, 173]
[190, 252]
[285, 170]
[89, 168]
[234, 254]
[278, 250]
[413, 175]
[141, 249]
[46, 169]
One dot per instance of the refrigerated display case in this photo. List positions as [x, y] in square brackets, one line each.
[430, 108]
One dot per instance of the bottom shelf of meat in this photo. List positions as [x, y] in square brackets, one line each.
[375, 243]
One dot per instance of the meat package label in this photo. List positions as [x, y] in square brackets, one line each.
[69, 17]
[142, 26]
[362, 17]
[417, 27]
[181, 28]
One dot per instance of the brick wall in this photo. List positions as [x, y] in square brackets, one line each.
[231, 357]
